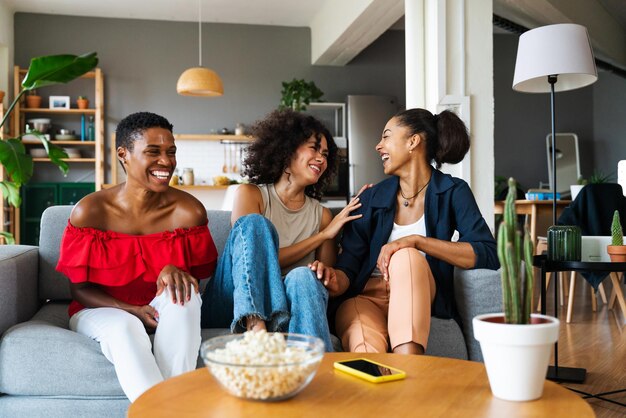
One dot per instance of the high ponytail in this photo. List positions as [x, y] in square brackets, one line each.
[446, 136]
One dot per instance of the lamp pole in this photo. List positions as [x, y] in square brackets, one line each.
[552, 80]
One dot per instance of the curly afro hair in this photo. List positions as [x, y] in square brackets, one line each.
[278, 136]
[132, 127]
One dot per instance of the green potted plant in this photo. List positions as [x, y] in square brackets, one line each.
[297, 94]
[598, 177]
[515, 344]
[617, 249]
[43, 71]
[82, 102]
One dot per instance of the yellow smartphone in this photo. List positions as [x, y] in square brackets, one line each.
[369, 370]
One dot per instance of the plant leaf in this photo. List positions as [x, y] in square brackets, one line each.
[18, 164]
[55, 69]
[8, 238]
[11, 192]
[55, 153]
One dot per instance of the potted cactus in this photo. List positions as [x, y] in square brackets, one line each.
[617, 249]
[515, 344]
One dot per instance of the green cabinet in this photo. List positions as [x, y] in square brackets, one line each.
[36, 197]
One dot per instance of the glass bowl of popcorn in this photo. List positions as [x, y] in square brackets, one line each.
[263, 366]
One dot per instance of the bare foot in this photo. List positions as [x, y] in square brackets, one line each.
[254, 323]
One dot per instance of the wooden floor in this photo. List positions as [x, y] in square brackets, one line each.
[595, 341]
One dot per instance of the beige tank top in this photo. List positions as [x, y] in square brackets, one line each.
[293, 226]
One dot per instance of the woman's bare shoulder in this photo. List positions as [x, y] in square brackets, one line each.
[249, 192]
[91, 210]
[189, 210]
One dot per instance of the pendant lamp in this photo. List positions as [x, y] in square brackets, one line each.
[199, 81]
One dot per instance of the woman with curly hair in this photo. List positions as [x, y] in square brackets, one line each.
[275, 271]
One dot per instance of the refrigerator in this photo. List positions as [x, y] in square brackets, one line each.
[366, 117]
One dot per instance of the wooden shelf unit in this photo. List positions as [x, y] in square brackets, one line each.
[95, 147]
[97, 112]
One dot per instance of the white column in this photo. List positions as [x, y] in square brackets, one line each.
[442, 74]
[414, 23]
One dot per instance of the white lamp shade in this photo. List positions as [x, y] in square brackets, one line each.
[563, 50]
[199, 81]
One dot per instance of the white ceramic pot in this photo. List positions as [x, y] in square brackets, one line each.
[516, 356]
[575, 189]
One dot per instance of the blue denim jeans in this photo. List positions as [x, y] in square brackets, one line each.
[248, 281]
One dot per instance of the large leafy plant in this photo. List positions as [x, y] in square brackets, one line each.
[297, 94]
[43, 71]
[517, 279]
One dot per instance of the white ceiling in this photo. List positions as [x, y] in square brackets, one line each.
[259, 12]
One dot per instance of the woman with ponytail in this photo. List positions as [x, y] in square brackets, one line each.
[397, 261]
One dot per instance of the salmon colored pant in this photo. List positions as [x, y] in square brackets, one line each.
[390, 313]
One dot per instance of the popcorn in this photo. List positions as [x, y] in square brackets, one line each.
[262, 365]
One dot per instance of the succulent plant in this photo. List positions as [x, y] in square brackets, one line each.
[517, 279]
[616, 230]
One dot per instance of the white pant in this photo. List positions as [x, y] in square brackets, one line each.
[126, 344]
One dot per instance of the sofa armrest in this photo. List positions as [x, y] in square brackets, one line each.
[19, 272]
[477, 292]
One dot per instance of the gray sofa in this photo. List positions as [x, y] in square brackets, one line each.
[46, 370]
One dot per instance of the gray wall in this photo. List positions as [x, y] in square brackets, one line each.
[522, 121]
[609, 122]
[142, 60]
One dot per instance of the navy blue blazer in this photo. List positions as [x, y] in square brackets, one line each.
[449, 205]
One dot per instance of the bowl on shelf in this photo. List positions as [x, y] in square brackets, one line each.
[263, 366]
[42, 124]
[38, 153]
[72, 152]
[65, 137]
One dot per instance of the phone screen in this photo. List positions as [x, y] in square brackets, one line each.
[369, 368]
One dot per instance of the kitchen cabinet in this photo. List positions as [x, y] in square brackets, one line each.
[36, 197]
[89, 153]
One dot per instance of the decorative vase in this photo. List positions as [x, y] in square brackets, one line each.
[33, 102]
[617, 253]
[516, 356]
[564, 243]
[82, 103]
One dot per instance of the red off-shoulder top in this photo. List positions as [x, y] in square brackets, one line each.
[127, 266]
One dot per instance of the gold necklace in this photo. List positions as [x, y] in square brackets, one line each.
[406, 199]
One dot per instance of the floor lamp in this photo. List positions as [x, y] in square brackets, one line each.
[550, 59]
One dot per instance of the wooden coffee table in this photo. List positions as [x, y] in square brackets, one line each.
[434, 387]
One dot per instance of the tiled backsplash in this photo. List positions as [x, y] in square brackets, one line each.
[207, 158]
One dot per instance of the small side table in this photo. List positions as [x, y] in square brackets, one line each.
[556, 373]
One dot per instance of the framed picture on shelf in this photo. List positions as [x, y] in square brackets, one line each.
[59, 102]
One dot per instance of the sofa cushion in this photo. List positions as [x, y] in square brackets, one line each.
[18, 284]
[43, 357]
[477, 292]
[52, 284]
[446, 339]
